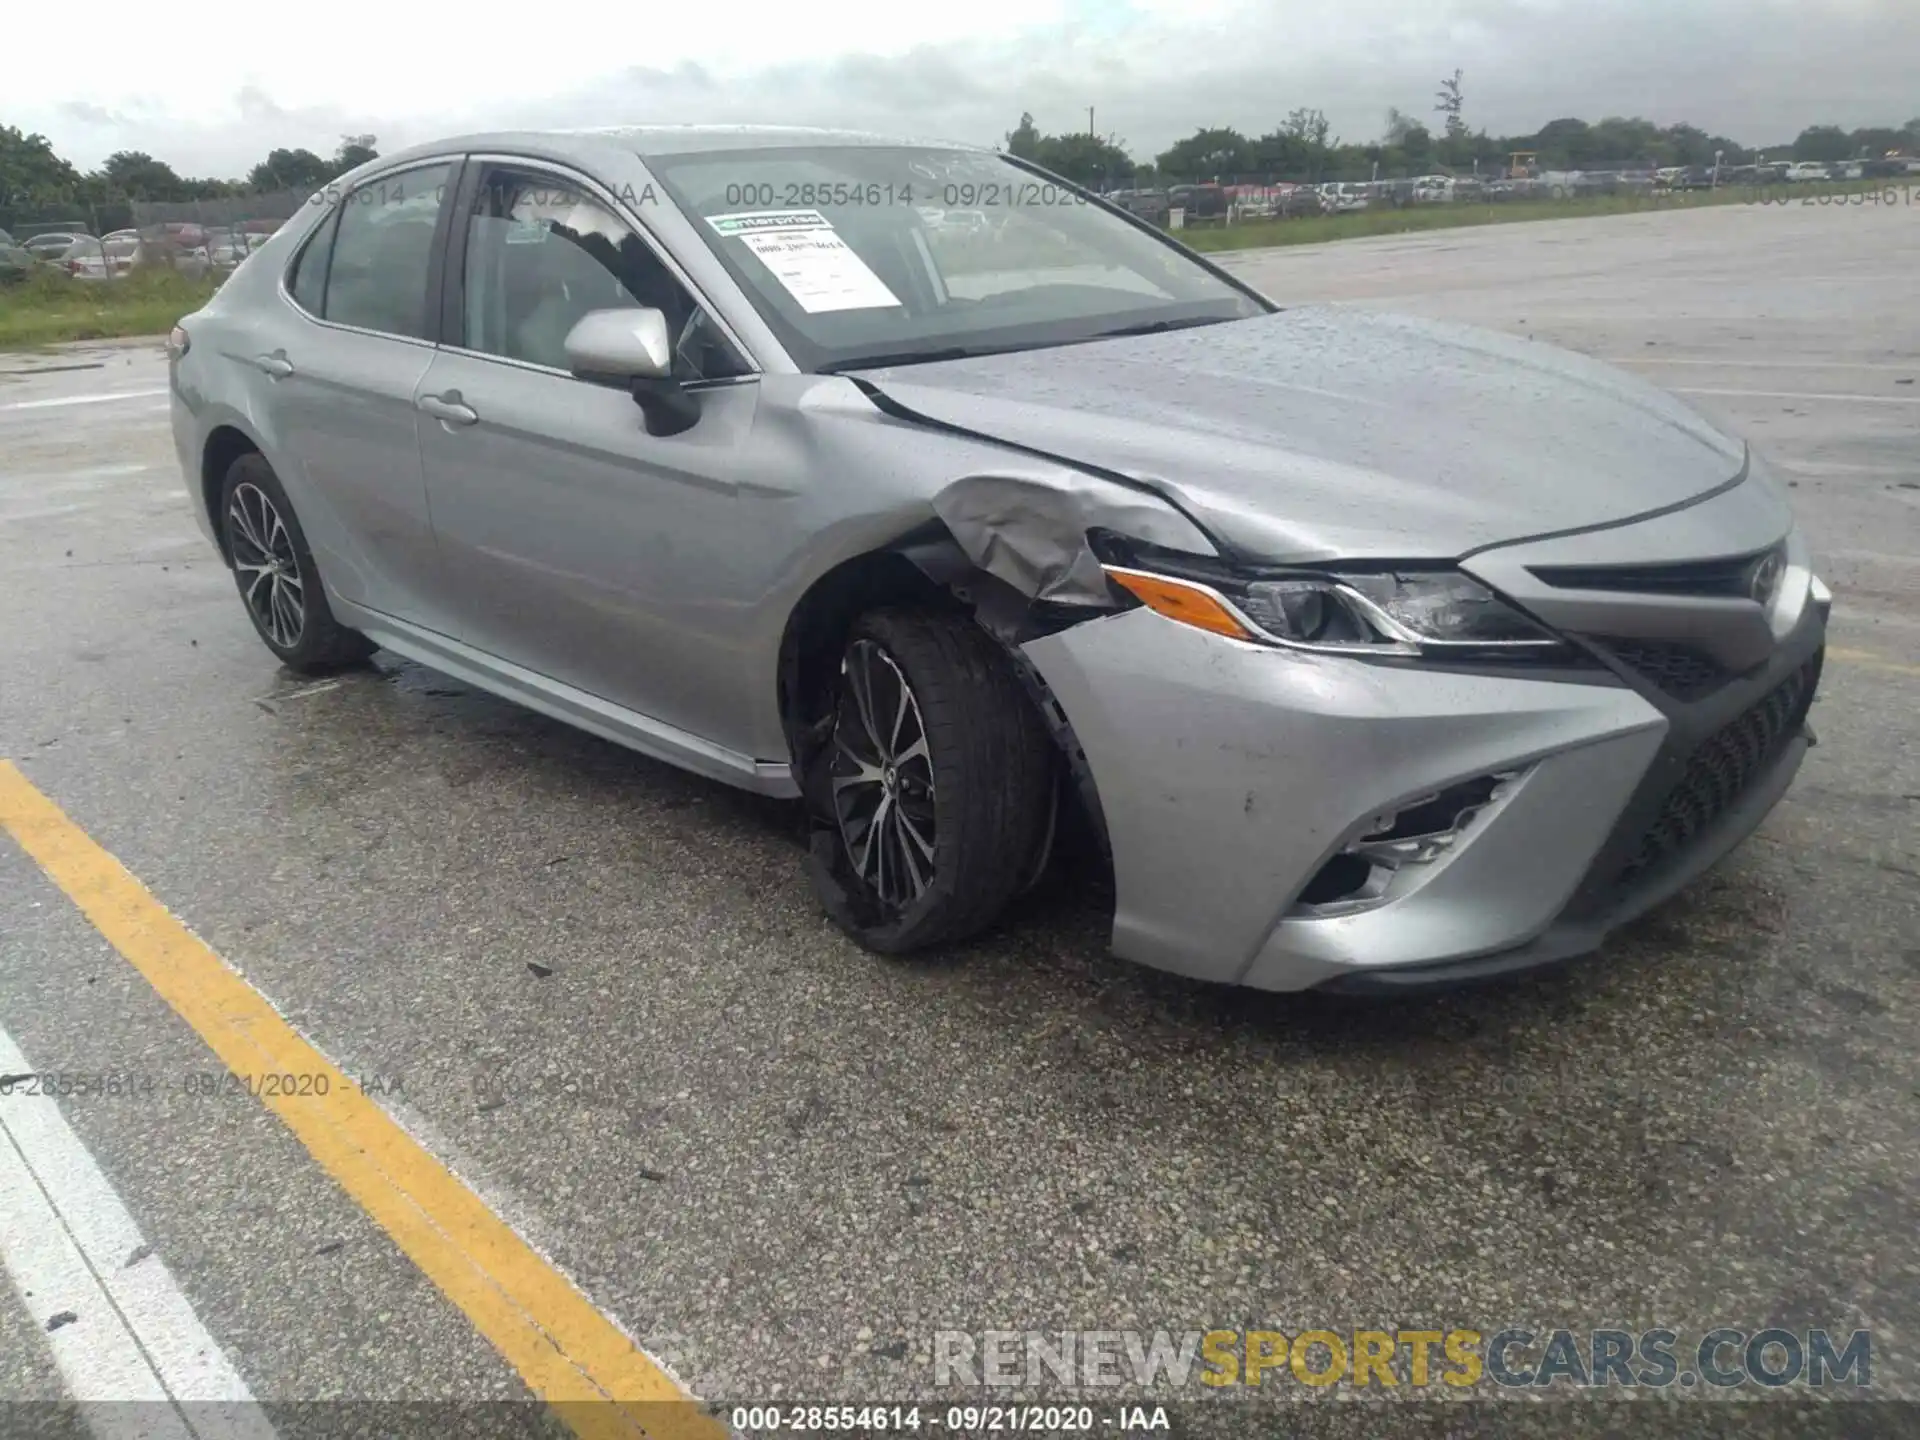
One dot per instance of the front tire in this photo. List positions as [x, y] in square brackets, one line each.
[278, 580]
[937, 784]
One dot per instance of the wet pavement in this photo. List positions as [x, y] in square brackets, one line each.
[606, 999]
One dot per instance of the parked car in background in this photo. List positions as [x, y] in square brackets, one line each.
[1203, 204]
[181, 247]
[1806, 172]
[49, 245]
[1696, 177]
[1149, 205]
[1340, 197]
[79, 255]
[124, 250]
[226, 248]
[16, 261]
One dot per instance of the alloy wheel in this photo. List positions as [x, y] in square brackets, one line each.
[269, 569]
[883, 792]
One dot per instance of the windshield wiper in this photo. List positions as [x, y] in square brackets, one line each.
[915, 357]
[1157, 327]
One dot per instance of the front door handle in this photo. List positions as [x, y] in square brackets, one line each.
[448, 407]
[275, 365]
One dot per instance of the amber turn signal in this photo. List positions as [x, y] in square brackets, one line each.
[1190, 604]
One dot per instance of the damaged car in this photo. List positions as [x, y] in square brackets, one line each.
[1374, 653]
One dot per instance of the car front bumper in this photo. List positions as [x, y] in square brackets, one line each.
[1229, 775]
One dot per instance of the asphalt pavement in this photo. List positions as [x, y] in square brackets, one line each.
[599, 990]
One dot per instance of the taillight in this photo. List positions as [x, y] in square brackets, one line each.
[74, 267]
[177, 342]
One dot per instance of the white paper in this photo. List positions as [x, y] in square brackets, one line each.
[809, 259]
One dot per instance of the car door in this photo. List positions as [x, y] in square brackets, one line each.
[576, 544]
[340, 369]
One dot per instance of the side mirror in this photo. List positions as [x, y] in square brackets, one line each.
[627, 344]
[633, 345]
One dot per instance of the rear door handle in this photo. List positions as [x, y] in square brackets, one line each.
[276, 365]
[448, 407]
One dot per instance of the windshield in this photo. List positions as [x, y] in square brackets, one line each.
[889, 254]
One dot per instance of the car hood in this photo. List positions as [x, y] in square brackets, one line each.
[1320, 433]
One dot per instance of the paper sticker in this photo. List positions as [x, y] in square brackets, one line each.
[808, 257]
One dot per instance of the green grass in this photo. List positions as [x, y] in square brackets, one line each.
[49, 308]
[1313, 229]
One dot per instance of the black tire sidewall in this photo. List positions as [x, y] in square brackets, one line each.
[973, 714]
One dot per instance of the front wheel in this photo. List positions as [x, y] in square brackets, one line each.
[938, 784]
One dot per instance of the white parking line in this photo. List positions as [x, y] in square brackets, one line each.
[119, 1327]
[1806, 395]
[83, 399]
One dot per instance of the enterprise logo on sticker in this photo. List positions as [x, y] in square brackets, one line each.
[748, 221]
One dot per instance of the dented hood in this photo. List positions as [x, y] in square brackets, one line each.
[1317, 434]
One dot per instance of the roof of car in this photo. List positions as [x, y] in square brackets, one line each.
[689, 139]
[649, 141]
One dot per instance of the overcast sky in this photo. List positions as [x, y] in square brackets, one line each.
[170, 80]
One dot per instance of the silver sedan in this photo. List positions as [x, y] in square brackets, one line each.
[1373, 653]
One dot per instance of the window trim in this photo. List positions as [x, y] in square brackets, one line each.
[436, 256]
[321, 233]
[453, 280]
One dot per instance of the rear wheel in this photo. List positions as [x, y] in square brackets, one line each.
[279, 582]
[938, 784]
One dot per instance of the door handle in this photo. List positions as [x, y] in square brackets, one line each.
[276, 365]
[448, 407]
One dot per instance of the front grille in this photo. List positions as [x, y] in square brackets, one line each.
[1721, 769]
[1682, 671]
[1728, 579]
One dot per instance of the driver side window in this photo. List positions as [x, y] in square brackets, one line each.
[542, 253]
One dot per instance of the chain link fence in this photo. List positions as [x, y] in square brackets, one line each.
[113, 239]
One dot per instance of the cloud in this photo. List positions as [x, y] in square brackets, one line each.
[1153, 70]
[85, 112]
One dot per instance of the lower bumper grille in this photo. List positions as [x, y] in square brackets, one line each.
[1680, 670]
[1722, 767]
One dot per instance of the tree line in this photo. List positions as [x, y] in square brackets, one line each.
[1302, 148]
[33, 175]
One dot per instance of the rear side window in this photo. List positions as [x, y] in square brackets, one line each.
[308, 283]
[383, 250]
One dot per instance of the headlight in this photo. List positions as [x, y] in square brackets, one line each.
[1440, 614]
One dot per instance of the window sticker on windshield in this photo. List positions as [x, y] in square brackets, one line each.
[809, 259]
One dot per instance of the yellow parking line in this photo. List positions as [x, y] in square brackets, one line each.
[1871, 660]
[568, 1353]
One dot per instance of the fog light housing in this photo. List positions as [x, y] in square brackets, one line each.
[1417, 832]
